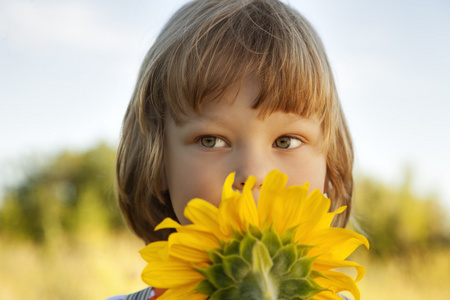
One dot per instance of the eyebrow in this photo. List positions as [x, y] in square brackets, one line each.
[219, 119]
[198, 119]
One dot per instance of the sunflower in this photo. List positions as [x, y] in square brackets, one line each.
[281, 248]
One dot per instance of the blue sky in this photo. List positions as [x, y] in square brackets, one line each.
[67, 70]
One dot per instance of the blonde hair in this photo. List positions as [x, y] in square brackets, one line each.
[204, 48]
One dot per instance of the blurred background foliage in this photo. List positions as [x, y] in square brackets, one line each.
[397, 220]
[60, 223]
[62, 196]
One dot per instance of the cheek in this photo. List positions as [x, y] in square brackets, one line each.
[313, 171]
[188, 179]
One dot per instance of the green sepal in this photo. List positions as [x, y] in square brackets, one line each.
[301, 268]
[232, 247]
[246, 247]
[262, 262]
[316, 286]
[272, 241]
[237, 235]
[235, 267]
[205, 287]
[252, 287]
[284, 259]
[255, 231]
[230, 293]
[315, 274]
[214, 255]
[303, 249]
[288, 236]
[216, 276]
[301, 288]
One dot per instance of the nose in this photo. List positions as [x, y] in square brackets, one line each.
[251, 163]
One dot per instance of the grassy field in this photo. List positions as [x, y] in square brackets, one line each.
[411, 277]
[95, 266]
[90, 267]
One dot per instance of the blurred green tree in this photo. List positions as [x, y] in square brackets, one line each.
[72, 193]
[68, 193]
[398, 221]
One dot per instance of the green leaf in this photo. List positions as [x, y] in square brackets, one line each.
[246, 247]
[262, 262]
[216, 275]
[230, 293]
[235, 267]
[205, 287]
[284, 259]
[272, 241]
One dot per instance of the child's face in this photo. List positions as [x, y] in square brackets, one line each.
[229, 137]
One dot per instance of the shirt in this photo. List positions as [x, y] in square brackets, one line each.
[149, 294]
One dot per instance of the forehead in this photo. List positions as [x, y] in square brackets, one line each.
[238, 104]
[243, 94]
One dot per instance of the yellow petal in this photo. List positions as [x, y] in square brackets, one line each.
[335, 243]
[170, 274]
[183, 292]
[248, 213]
[227, 191]
[288, 205]
[236, 211]
[167, 223]
[322, 265]
[188, 253]
[204, 214]
[340, 210]
[190, 228]
[229, 216]
[327, 219]
[310, 226]
[316, 205]
[273, 184]
[327, 295]
[195, 239]
[201, 212]
[338, 282]
[191, 247]
[315, 211]
[155, 251]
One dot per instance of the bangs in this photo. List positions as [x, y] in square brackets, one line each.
[261, 38]
[205, 49]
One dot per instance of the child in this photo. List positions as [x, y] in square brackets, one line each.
[230, 86]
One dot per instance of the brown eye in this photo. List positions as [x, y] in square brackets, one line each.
[208, 141]
[212, 142]
[283, 142]
[287, 142]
